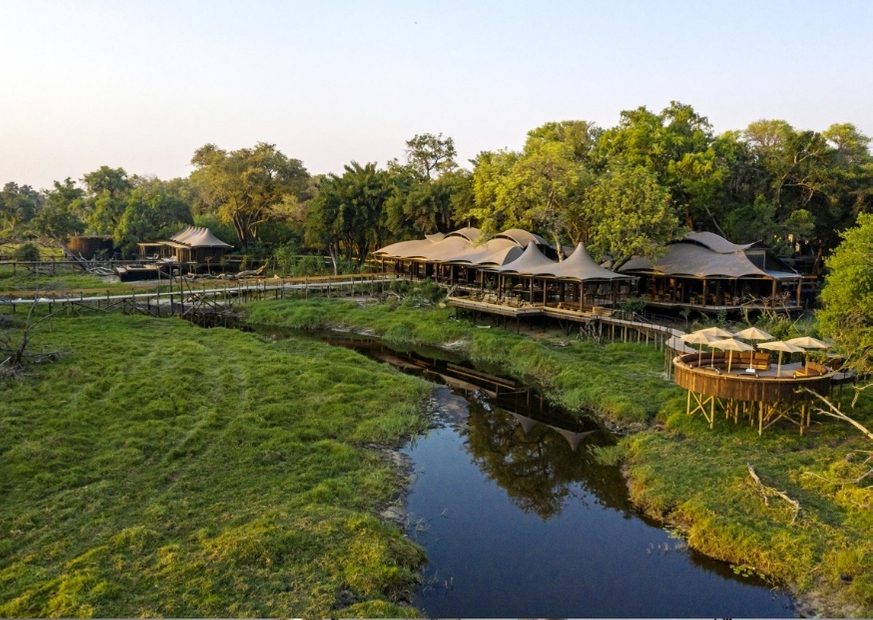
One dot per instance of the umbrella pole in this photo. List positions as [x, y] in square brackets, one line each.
[730, 359]
[779, 365]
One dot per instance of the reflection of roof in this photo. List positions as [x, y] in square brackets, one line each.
[198, 237]
[705, 255]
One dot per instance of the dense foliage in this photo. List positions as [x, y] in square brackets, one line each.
[794, 190]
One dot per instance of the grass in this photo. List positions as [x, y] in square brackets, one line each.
[622, 382]
[678, 469]
[160, 469]
[698, 478]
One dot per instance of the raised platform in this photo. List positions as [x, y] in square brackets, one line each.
[773, 394]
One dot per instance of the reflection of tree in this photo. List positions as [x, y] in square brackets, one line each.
[538, 468]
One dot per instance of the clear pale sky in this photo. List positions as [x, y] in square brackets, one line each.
[141, 85]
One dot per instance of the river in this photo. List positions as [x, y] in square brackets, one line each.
[519, 520]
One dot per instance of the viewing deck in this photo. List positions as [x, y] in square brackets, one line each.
[773, 392]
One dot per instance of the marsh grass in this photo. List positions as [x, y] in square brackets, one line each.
[160, 469]
[622, 382]
[678, 469]
[699, 478]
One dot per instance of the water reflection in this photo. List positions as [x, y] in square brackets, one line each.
[538, 463]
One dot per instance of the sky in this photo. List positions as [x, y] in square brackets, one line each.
[142, 85]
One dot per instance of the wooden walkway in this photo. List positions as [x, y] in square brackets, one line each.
[183, 296]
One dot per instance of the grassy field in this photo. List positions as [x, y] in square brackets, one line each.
[622, 382]
[678, 470]
[699, 479]
[160, 469]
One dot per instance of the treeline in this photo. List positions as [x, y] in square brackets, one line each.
[624, 190]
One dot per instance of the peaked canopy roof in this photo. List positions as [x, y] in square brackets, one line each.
[705, 255]
[580, 266]
[531, 262]
[198, 237]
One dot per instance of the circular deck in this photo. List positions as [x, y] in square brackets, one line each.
[761, 386]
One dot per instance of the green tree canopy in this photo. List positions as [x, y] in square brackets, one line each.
[345, 217]
[847, 295]
[247, 187]
[632, 215]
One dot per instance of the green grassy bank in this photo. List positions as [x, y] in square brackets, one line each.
[678, 470]
[160, 469]
[622, 382]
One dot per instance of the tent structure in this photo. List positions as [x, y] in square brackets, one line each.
[510, 262]
[193, 244]
[707, 271]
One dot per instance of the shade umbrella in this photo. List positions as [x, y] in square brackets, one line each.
[808, 342]
[753, 333]
[782, 347]
[718, 332]
[730, 344]
[700, 339]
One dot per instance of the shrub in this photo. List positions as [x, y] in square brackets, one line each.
[26, 252]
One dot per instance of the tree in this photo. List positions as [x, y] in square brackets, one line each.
[345, 217]
[543, 188]
[847, 296]
[248, 186]
[632, 215]
[107, 189]
[18, 205]
[59, 218]
[430, 156]
[150, 213]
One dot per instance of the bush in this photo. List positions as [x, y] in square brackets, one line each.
[26, 252]
[309, 266]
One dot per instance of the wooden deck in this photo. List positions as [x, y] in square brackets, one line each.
[770, 395]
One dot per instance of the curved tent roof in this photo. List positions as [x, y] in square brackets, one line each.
[580, 266]
[531, 262]
[493, 253]
[714, 242]
[469, 233]
[416, 248]
[705, 255]
[463, 247]
[522, 237]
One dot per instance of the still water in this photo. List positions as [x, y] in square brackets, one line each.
[518, 520]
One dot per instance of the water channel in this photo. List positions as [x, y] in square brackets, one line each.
[518, 519]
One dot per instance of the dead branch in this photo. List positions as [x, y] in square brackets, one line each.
[833, 412]
[765, 490]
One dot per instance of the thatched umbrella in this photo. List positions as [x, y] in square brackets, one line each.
[731, 344]
[753, 333]
[782, 347]
[700, 339]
